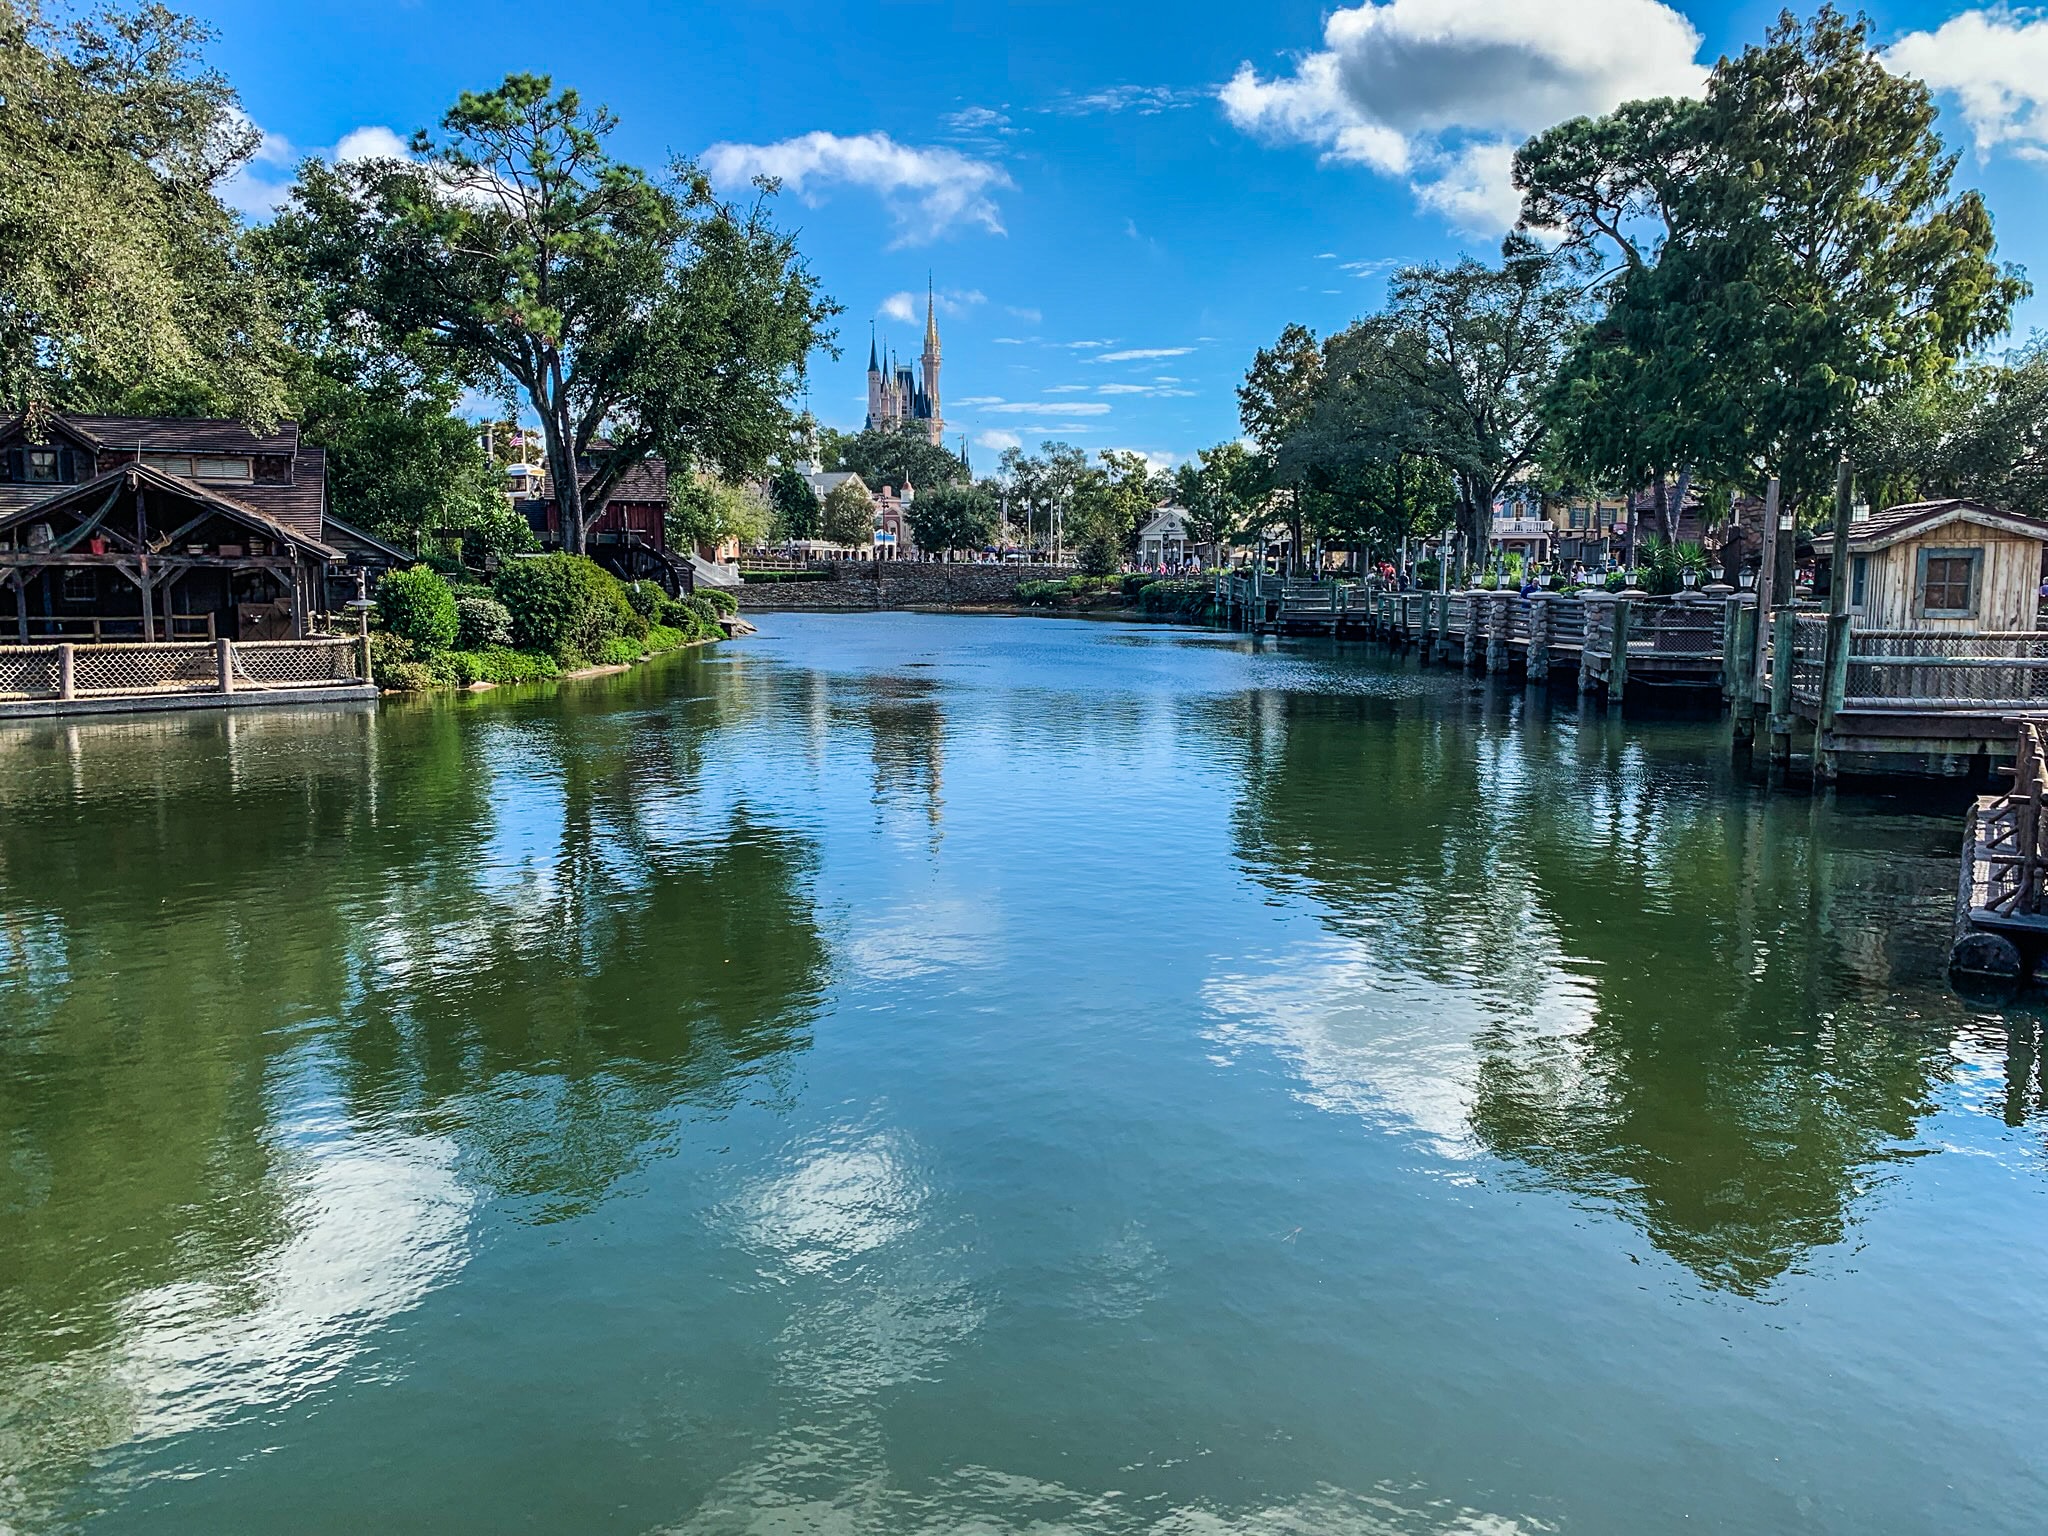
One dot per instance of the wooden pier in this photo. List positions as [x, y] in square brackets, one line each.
[2001, 918]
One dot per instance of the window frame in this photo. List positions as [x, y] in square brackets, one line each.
[1973, 558]
[1859, 580]
[55, 459]
[201, 470]
[85, 575]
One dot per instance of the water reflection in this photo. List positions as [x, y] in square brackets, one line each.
[285, 996]
[1681, 998]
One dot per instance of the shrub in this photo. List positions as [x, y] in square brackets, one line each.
[481, 622]
[646, 599]
[617, 652]
[663, 637]
[721, 600]
[566, 605]
[417, 606]
[1183, 599]
[409, 677]
[501, 664]
[1136, 582]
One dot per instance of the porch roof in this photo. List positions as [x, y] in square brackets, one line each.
[1910, 520]
[132, 476]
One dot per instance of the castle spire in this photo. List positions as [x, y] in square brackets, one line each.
[931, 318]
[874, 363]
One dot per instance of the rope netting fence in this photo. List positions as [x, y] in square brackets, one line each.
[114, 671]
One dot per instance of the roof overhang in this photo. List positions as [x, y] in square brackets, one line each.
[133, 476]
[1933, 522]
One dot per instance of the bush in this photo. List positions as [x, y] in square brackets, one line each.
[617, 652]
[1179, 599]
[646, 599]
[1136, 582]
[501, 664]
[566, 605]
[721, 600]
[417, 606]
[481, 622]
[409, 677]
[663, 637]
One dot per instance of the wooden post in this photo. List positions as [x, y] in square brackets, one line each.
[1443, 623]
[1617, 664]
[67, 671]
[1742, 685]
[1781, 685]
[1835, 669]
[363, 642]
[1587, 681]
[21, 606]
[224, 660]
[1766, 578]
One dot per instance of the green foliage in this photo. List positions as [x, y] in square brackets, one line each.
[905, 456]
[952, 517]
[797, 513]
[1181, 599]
[417, 606]
[722, 602]
[707, 511]
[409, 677]
[1792, 251]
[481, 623]
[646, 599]
[849, 515]
[1981, 431]
[1067, 590]
[565, 605]
[617, 652]
[1222, 489]
[515, 245]
[120, 267]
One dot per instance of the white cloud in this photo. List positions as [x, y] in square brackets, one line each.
[1138, 354]
[262, 186]
[1155, 460]
[1030, 316]
[371, 143]
[928, 191]
[1066, 389]
[1995, 62]
[1145, 100]
[1047, 408]
[1159, 391]
[1084, 346]
[996, 440]
[1012, 341]
[977, 400]
[908, 308]
[1439, 91]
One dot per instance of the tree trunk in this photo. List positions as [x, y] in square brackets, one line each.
[1663, 509]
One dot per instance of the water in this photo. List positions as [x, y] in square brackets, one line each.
[927, 1074]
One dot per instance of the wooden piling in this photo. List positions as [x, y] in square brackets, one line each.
[1617, 663]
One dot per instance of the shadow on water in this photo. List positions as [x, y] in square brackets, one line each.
[1710, 1008]
[281, 997]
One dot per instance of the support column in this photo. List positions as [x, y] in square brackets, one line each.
[67, 671]
[1834, 685]
[1781, 685]
[1617, 663]
[1497, 632]
[1541, 618]
[1743, 680]
[224, 660]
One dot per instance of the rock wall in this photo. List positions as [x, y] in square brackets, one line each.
[867, 584]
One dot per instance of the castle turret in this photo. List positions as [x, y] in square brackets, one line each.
[935, 422]
[874, 381]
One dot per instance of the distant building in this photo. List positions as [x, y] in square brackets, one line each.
[1164, 539]
[899, 398]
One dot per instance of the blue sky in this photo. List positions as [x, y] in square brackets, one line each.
[1117, 203]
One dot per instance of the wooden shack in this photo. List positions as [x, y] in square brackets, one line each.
[1946, 567]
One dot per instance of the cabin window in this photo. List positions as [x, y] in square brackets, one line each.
[1859, 580]
[79, 586]
[223, 469]
[1948, 583]
[179, 464]
[42, 466]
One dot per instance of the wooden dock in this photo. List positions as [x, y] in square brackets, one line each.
[2001, 925]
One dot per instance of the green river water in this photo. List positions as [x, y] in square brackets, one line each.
[937, 1074]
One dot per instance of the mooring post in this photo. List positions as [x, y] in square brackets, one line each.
[1475, 616]
[1781, 684]
[1834, 684]
[1742, 686]
[1497, 632]
[224, 662]
[1542, 618]
[1617, 663]
[67, 671]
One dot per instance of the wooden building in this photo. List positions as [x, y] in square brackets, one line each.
[115, 527]
[628, 535]
[1946, 566]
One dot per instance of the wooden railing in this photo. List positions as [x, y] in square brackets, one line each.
[2009, 857]
[63, 670]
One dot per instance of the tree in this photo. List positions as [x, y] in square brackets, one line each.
[899, 457]
[120, 267]
[1455, 368]
[952, 517]
[1109, 504]
[1278, 395]
[1221, 488]
[1981, 431]
[634, 317]
[704, 510]
[849, 515]
[1813, 256]
[795, 505]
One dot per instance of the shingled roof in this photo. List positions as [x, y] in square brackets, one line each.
[1912, 519]
[134, 474]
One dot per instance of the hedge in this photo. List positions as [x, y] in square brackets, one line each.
[566, 605]
[417, 606]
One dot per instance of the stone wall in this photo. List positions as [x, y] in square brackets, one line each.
[866, 584]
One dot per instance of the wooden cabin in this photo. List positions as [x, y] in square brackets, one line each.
[1946, 566]
[133, 528]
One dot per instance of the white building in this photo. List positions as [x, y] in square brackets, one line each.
[1164, 539]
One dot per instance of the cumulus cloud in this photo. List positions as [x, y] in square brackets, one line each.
[1995, 62]
[1158, 391]
[927, 191]
[996, 440]
[1045, 408]
[1440, 91]
[1145, 100]
[1155, 460]
[262, 186]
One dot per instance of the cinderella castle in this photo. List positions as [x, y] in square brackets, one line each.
[896, 397]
